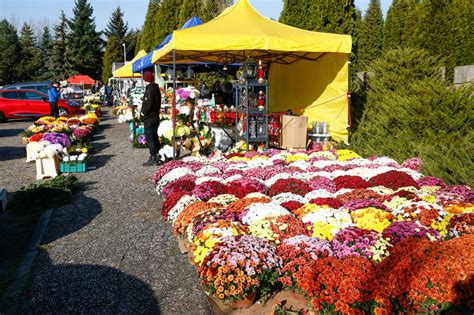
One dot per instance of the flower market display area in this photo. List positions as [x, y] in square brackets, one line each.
[322, 231]
[60, 144]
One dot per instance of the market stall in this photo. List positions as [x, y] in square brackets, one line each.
[83, 80]
[308, 72]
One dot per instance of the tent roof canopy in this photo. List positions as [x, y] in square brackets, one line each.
[240, 32]
[126, 71]
[80, 79]
[145, 61]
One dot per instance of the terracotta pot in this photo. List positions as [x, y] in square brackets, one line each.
[298, 297]
[245, 302]
[191, 258]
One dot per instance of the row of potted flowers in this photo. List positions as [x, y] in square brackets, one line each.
[351, 235]
[67, 138]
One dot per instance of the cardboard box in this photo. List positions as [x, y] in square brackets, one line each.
[294, 132]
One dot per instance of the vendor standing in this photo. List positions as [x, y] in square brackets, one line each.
[53, 96]
[151, 117]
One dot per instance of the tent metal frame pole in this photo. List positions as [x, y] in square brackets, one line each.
[349, 119]
[173, 105]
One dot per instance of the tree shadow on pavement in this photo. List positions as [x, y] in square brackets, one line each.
[83, 289]
[9, 132]
[77, 214]
[12, 153]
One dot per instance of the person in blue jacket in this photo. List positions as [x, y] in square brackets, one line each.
[53, 96]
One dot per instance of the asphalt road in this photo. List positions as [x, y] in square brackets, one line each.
[108, 251]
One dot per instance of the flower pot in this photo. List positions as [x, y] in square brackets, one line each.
[245, 302]
[298, 297]
[191, 258]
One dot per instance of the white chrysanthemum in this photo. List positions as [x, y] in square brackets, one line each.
[319, 193]
[207, 170]
[285, 197]
[232, 178]
[256, 195]
[260, 211]
[276, 177]
[171, 176]
[180, 205]
[204, 179]
[329, 215]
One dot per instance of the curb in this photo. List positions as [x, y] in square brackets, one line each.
[12, 293]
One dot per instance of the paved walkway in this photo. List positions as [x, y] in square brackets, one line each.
[109, 251]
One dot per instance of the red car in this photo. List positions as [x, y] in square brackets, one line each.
[18, 103]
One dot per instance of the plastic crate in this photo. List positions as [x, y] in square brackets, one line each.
[73, 167]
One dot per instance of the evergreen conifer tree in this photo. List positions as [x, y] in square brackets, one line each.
[132, 40]
[168, 18]
[446, 28]
[112, 54]
[116, 26]
[371, 35]
[30, 54]
[45, 46]
[411, 112]
[189, 8]
[400, 24]
[84, 40]
[211, 9]
[60, 63]
[9, 48]
[147, 36]
[297, 13]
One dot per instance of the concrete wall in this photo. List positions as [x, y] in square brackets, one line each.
[463, 75]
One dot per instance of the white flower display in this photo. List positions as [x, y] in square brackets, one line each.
[260, 211]
[285, 197]
[204, 179]
[173, 175]
[207, 169]
[274, 179]
[180, 205]
[319, 193]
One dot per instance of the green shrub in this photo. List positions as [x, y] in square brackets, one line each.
[412, 112]
[41, 196]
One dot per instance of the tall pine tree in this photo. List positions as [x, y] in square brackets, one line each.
[297, 13]
[146, 38]
[446, 28]
[189, 8]
[211, 8]
[113, 53]
[30, 54]
[116, 25]
[168, 18]
[85, 41]
[9, 56]
[371, 35]
[400, 24]
[60, 63]
[45, 45]
[132, 40]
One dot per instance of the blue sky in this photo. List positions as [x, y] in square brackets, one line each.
[46, 12]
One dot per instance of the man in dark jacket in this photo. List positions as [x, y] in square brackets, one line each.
[151, 117]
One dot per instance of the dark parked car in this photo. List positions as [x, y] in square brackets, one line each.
[38, 86]
[19, 103]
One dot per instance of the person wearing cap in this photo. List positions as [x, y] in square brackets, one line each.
[53, 96]
[151, 117]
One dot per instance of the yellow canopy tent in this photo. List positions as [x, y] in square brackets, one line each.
[309, 71]
[126, 71]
